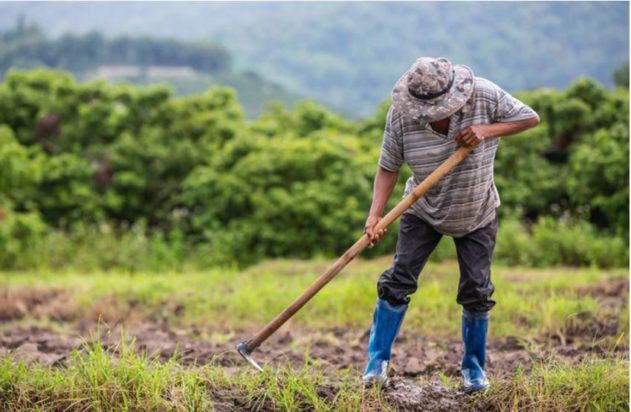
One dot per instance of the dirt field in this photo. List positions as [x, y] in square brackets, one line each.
[39, 326]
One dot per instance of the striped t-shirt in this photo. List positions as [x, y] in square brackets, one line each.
[466, 198]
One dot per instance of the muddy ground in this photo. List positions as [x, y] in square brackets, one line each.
[417, 365]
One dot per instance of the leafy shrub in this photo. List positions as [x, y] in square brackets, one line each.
[549, 242]
[90, 248]
[552, 242]
[599, 177]
[117, 176]
[20, 234]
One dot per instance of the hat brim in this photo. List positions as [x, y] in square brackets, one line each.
[440, 107]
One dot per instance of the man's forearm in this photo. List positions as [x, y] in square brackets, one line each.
[473, 135]
[510, 128]
[383, 186]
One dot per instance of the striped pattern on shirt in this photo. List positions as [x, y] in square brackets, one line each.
[466, 198]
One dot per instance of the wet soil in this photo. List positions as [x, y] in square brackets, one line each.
[419, 366]
[332, 349]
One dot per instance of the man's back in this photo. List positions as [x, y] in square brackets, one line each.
[466, 198]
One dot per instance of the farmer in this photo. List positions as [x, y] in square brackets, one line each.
[436, 107]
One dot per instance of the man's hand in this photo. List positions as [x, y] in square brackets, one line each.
[369, 229]
[472, 136]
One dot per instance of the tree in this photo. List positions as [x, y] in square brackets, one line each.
[621, 76]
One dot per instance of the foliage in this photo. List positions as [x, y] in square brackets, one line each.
[127, 170]
[599, 169]
[30, 244]
[19, 230]
[621, 76]
[576, 161]
[278, 204]
[553, 242]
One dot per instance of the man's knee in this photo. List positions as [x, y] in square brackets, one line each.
[416, 242]
[475, 253]
[476, 299]
[397, 283]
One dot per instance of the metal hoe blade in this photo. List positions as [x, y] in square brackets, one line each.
[245, 351]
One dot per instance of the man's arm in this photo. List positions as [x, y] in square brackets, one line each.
[390, 161]
[385, 181]
[472, 136]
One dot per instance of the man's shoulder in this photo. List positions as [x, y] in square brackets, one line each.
[485, 87]
[486, 93]
[394, 115]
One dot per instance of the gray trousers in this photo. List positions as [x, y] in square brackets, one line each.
[415, 243]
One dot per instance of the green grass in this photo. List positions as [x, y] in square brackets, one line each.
[96, 379]
[530, 302]
[593, 385]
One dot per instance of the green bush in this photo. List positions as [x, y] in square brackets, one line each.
[552, 242]
[576, 161]
[104, 176]
[29, 244]
[20, 235]
[598, 166]
[90, 248]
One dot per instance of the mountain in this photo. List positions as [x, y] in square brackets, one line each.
[348, 55]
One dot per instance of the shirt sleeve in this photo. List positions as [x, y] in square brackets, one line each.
[509, 109]
[391, 156]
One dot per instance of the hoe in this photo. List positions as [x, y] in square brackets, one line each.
[246, 348]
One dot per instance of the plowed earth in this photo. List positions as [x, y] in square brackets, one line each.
[419, 366]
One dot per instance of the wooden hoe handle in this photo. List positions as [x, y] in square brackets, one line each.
[354, 250]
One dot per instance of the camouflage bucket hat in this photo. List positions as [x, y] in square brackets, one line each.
[432, 89]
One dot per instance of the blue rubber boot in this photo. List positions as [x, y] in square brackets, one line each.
[385, 326]
[474, 328]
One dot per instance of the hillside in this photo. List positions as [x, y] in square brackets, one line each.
[187, 66]
[348, 55]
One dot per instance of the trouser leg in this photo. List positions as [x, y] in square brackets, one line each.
[415, 243]
[475, 251]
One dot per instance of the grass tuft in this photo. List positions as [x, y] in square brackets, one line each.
[118, 378]
[592, 385]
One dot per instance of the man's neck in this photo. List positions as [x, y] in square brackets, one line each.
[441, 126]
